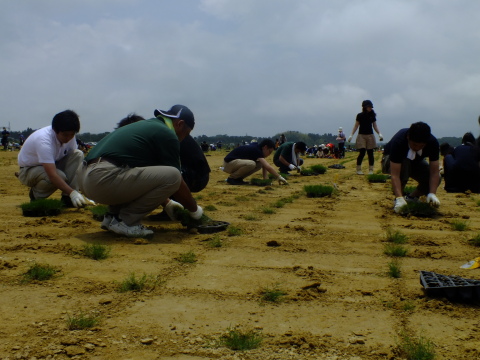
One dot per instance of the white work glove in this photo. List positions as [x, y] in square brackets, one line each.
[171, 208]
[196, 215]
[380, 137]
[77, 199]
[350, 138]
[432, 199]
[299, 168]
[281, 180]
[399, 203]
[292, 167]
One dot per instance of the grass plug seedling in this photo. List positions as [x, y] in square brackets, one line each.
[241, 340]
[132, 283]
[416, 348]
[419, 209]
[96, 251]
[272, 294]
[314, 191]
[261, 182]
[187, 258]
[318, 169]
[39, 272]
[396, 237]
[377, 178]
[234, 231]
[459, 225]
[395, 250]
[99, 211]
[82, 321]
[394, 269]
[42, 207]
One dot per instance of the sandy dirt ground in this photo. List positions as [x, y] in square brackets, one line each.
[340, 302]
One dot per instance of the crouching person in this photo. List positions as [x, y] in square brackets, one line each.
[49, 160]
[136, 168]
[245, 160]
[404, 158]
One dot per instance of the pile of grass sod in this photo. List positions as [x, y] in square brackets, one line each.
[377, 178]
[261, 182]
[42, 207]
[307, 172]
[318, 169]
[419, 209]
[318, 190]
[99, 211]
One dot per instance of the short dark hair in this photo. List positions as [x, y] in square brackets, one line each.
[67, 120]
[419, 132]
[270, 144]
[445, 149]
[130, 119]
[468, 138]
[301, 146]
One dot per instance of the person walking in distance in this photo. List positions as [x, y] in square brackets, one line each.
[366, 122]
[341, 142]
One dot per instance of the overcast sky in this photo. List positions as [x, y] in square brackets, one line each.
[256, 67]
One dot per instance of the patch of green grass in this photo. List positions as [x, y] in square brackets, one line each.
[187, 258]
[416, 348]
[408, 306]
[318, 190]
[278, 204]
[39, 272]
[459, 225]
[475, 241]
[96, 251]
[318, 169]
[82, 321]
[377, 178]
[250, 217]
[409, 189]
[268, 210]
[132, 283]
[272, 294]
[394, 269]
[210, 208]
[395, 250]
[419, 209]
[99, 211]
[234, 231]
[261, 182]
[396, 236]
[42, 207]
[236, 339]
[215, 242]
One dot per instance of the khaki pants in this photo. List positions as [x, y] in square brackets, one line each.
[239, 169]
[131, 193]
[36, 177]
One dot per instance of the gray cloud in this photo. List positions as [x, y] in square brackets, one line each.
[256, 67]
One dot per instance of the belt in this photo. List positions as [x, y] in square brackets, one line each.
[103, 159]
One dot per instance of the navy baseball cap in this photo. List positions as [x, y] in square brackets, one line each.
[178, 112]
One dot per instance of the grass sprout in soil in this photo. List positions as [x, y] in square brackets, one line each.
[99, 211]
[96, 251]
[144, 282]
[318, 169]
[268, 210]
[394, 269]
[261, 182]
[215, 242]
[82, 321]
[396, 236]
[416, 348]
[419, 209]
[272, 294]
[395, 250]
[187, 258]
[314, 191]
[236, 339]
[377, 178]
[42, 207]
[459, 225]
[39, 272]
[234, 231]
[475, 241]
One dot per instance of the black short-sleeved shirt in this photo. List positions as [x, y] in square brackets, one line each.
[192, 156]
[366, 120]
[398, 148]
[245, 152]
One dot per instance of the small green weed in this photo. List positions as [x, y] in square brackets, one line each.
[475, 241]
[394, 269]
[408, 306]
[268, 210]
[250, 217]
[82, 321]
[234, 231]
[459, 225]
[132, 283]
[96, 251]
[395, 250]
[278, 204]
[215, 242]
[272, 294]
[416, 348]
[210, 208]
[187, 258]
[39, 272]
[241, 340]
[396, 237]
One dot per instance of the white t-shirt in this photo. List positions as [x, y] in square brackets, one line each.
[43, 147]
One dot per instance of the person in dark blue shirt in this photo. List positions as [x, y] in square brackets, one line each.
[404, 158]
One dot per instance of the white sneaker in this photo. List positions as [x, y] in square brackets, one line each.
[120, 228]
[359, 172]
[107, 219]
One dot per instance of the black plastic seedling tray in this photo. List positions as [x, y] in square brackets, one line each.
[453, 287]
[212, 227]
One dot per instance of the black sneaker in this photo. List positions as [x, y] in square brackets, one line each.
[236, 181]
[67, 202]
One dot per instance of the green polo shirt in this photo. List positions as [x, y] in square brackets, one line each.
[144, 143]
[285, 150]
